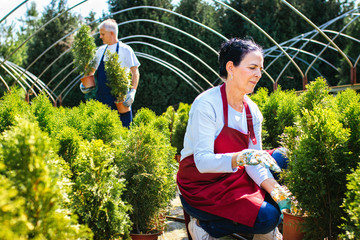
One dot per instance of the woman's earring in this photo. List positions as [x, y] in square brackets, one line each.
[231, 77]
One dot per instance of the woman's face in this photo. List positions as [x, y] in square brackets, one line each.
[247, 74]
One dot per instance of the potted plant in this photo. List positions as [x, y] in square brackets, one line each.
[118, 80]
[293, 222]
[146, 160]
[179, 128]
[84, 50]
[319, 160]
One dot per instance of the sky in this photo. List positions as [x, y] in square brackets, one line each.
[98, 6]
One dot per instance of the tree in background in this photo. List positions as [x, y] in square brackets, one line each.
[160, 87]
[282, 24]
[45, 38]
[10, 43]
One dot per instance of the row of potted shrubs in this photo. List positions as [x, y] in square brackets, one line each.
[321, 133]
[79, 167]
[76, 173]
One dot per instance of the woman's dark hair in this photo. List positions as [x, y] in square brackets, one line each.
[235, 50]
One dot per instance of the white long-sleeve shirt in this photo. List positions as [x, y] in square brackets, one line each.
[206, 120]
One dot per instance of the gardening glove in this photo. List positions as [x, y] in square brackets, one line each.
[281, 196]
[254, 157]
[85, 90]
[130, 97]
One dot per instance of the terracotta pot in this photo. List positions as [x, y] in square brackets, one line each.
[88, 81]
[153, 236]
[121, 107]
[292, 227]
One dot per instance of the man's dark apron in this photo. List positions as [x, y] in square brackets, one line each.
[234, 196]
[103, 91]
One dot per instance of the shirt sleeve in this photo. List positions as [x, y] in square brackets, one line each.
[257, 173]
[131, 59]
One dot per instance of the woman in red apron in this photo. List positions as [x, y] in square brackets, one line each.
[224, 177]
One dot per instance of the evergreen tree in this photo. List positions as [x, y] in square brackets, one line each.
[10, 40]
[46, 37]
[282, 24]
[160, 87]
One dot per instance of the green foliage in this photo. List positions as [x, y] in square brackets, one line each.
[260, 97]
[170, 115]
[319, 159]
[13, 220]
[143, 116]
[180, 126]
[146, 162]
[84, 50]
[39, 45]
[69, 140]
[282, 23]
[33, 168]
[118, 77]
[148, 117]
[46, 114]
[12, 105]
[348, 103]
[97, 191]
[317, 92]
[95, 120]
[160, 87]
[351, 206]
[279, 111]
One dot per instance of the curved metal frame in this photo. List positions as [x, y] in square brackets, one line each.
[282, 48]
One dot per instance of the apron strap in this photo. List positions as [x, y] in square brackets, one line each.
[225, 104]
[247, 110]
[250, 123]
[117, 50]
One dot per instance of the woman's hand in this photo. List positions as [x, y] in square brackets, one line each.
[254, 157]
[281, 196]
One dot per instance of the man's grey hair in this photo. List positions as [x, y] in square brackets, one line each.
[109, 25]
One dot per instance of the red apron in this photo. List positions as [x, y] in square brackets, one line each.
[234, 196]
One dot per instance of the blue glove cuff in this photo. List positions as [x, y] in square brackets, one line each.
[284, 204]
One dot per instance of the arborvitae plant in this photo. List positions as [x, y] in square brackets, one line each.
[69, 141]
[145, 161]
[84, 50]
[11, 105]
[351, 206]
[180, 126]
[148, 117]
[97, 191]
[38, 176]
[118, 77]
[317, 92]
[260, 97]
[318, 163]
[348, 103]
[95, 120]
[143, 116]
[46, 114]
[13, 220]
[171, 117]
[279, 111]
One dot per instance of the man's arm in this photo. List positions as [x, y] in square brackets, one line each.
[135, 76]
